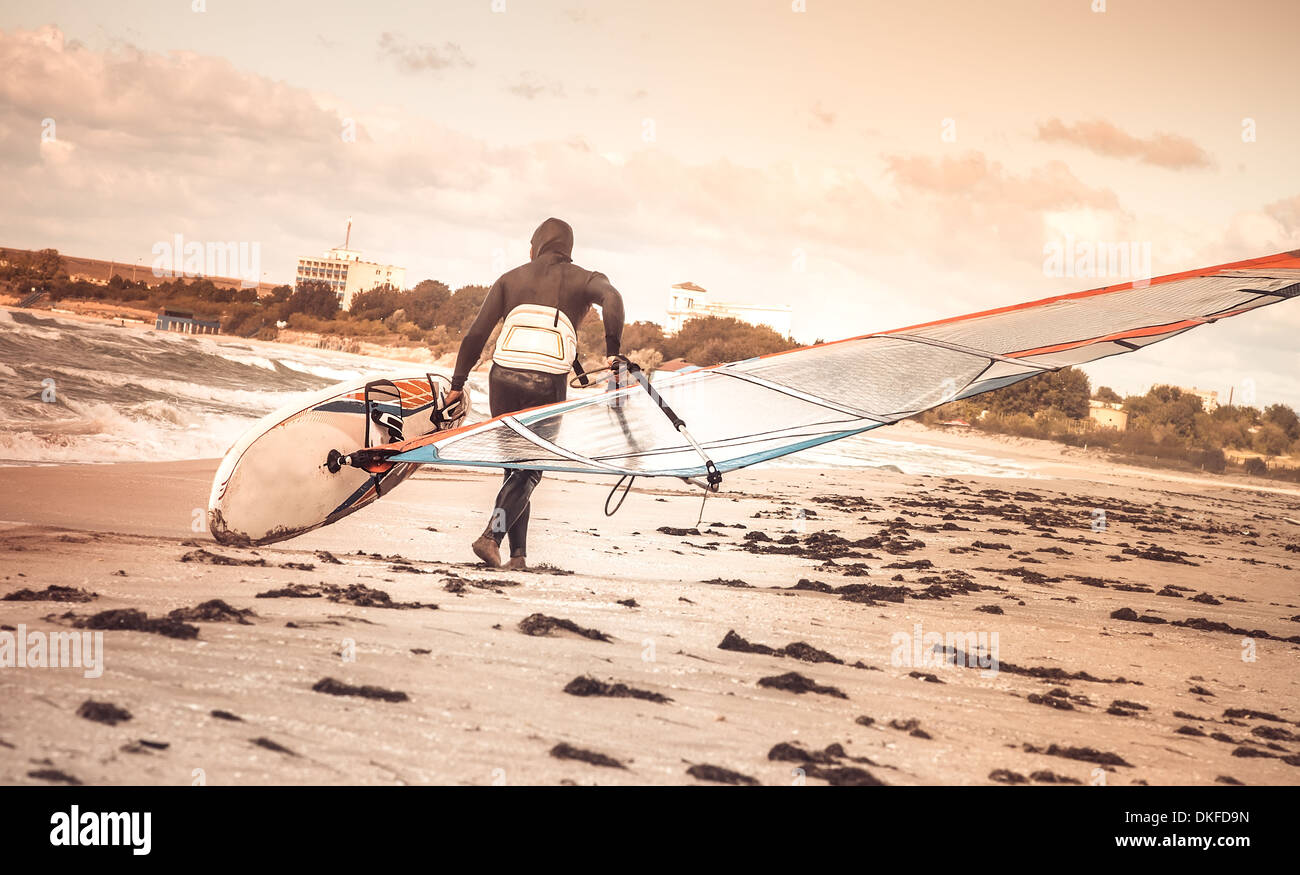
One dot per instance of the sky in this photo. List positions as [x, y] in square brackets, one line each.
[870, 164]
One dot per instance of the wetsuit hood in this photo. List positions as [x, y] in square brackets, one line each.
[553, 236]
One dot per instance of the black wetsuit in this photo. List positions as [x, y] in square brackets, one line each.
[550, 279]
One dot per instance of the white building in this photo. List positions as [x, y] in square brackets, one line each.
[684, 301]
[1209, 398]
[688, 300]
[343, 271]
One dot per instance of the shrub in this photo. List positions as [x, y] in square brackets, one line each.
[1212, 460]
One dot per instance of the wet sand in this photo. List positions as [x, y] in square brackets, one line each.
[771, 644]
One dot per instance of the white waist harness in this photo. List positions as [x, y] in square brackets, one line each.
[536, 338]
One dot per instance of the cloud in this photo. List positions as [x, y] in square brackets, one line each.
[988, 217]
[421, 57]
[822, 117]
[175, 142]
[1287, 214]
[975, 178]
[1170, 151]
[530, 87]
[169, 142]
[124, 94]
[1275, 227]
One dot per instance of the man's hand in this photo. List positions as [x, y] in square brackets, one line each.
[452, 397]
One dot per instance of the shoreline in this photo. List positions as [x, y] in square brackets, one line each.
[1041, 459]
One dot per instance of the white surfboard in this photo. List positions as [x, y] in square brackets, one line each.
[275, 483]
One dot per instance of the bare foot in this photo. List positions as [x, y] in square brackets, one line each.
[516, 563]
[486, 549]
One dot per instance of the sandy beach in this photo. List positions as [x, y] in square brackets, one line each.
[783, 640]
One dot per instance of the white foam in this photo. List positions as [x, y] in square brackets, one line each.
[254, 360]
[152, 431]
[338, 375]
[181, 412]
[38, 331]
[255, 401]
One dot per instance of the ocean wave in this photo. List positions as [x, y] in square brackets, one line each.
[149, 432]
[255, 360]
[127, 394]
[256, 401]
[333, 374]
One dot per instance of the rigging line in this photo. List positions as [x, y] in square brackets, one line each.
[713, 475]
[630, 478]
[617, 408]
[703, 501]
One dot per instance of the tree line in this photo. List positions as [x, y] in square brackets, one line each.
[1165, 423]
[429, 314]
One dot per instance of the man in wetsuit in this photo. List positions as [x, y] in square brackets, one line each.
[542, 304]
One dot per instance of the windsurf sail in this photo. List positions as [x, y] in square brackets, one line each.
[751, 411]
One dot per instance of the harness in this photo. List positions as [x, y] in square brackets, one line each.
[535, 337]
